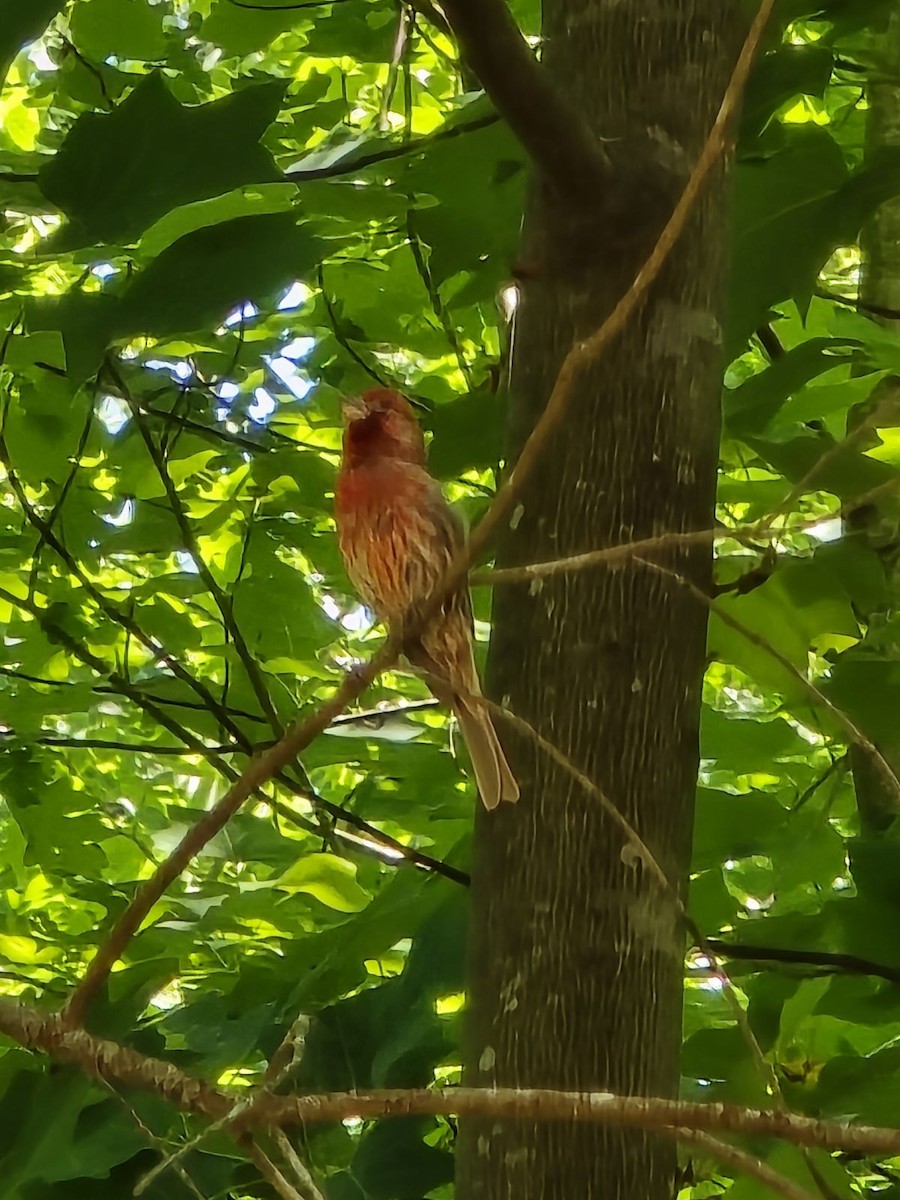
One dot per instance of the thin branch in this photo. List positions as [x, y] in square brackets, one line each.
[195, 706]
[837, 767]
[301, 174]
[155, 1142]
[642, 852]
[816, 697]
[91, 68]
[398, 54]
[259, 770]
[833, 452]
[70, 477]
[850, 964]
[210, 431]
[269, 1170]
[876, 310]
[434, 295]
[342, 340]
[92, 743]
[121, 684]
[609, 555]
[307, 1185]
[378, 838]
[291, 7]
[638, 846]
[377, 717]
[739, 1160]
[107, 607]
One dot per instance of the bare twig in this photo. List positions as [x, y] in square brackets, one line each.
[605, 557]
[827, 962]
[305, 1181]
[269, 1170]
[154, 1141]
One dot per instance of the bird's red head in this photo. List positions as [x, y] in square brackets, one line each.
[381, 424]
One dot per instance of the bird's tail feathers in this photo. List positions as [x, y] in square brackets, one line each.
[493, 776]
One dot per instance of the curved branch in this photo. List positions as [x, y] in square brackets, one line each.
[554, 135]
[258, 772]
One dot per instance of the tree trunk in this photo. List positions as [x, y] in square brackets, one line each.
[576, 960]
[879, 524]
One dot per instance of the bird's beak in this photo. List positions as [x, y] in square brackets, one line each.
[353, 409]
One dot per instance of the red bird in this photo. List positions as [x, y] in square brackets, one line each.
[397, 536]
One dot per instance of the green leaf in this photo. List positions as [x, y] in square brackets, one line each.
[249, 201]
[240, 31]
[785, 221]
[117, 173]
[779, 76]
[20, 24]
[330, 879]
[393, 1163]
[205, 274]
[750, 407]
[727, 826]
[128, 29]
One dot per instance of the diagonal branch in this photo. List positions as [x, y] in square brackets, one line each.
[258, 772]
[740, 1161]
[588, 351]
[641, 851]
[263, 767]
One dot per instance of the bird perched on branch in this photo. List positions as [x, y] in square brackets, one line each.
[398, 535]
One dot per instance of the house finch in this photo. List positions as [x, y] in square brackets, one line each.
[398, 536]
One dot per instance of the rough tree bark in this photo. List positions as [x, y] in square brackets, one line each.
[576, 962]
[879, 525]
